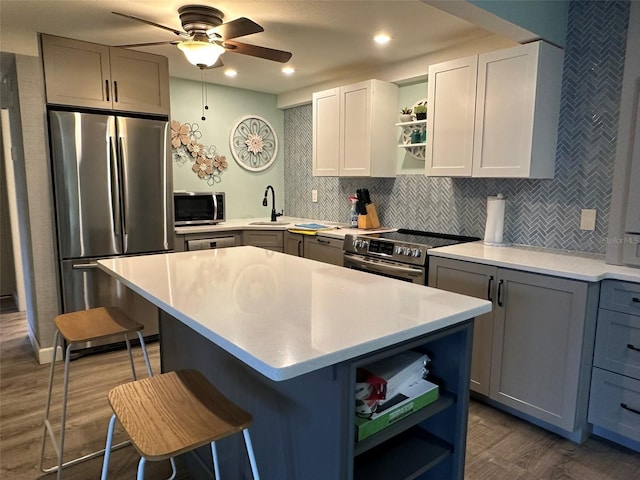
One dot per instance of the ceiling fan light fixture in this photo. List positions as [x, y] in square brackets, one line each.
[288, 70]
[201, 53]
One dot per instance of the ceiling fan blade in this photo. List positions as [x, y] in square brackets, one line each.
[236, 28]
[180, 33]
[148, 44]
[256, 51]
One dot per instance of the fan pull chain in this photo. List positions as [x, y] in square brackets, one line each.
[204, 95]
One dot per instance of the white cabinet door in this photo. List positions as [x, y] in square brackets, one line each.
[517, 108]
[496, 114]
[450, 119]
[355, 116]
[326, 133]
[353, 130]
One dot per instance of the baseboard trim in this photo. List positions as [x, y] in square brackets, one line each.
[43, 355]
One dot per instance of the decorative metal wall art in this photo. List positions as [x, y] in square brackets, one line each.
[253, 143]
[186, 146]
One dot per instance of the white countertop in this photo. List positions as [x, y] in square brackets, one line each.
[561, 263]
[339, 231]
[284, 315]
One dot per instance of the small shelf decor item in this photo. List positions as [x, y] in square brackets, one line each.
[186, 146]
[253, 143]
[406, 114]
[420, 111]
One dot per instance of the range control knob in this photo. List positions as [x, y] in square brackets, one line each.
[355, 243]
[364, 244]
[416, 253]
[406, 251]
[399, 250]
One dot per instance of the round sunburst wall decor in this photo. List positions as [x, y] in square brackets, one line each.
[253, 143]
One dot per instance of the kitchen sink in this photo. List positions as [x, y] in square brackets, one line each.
[267, 222]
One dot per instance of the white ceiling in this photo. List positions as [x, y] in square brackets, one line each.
[329, 39]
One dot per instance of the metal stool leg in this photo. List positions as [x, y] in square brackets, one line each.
[214, 452]
[143, 346]
[107, 448]
[48, 430]
[173, 469]
[252, 458]
[133, 367]
[141, 463]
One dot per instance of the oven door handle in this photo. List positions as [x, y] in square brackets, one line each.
[382, 266]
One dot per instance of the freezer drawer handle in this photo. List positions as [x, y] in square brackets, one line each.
[84, 266]
[633, 347]
[627, 407]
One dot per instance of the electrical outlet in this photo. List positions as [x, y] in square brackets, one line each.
[588, 219]
[314, 196]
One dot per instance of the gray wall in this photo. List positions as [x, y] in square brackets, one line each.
[543, 213]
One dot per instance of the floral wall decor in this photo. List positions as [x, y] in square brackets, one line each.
[186, 147]
[253, 143]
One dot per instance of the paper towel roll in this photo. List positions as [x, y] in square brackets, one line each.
[495, 221]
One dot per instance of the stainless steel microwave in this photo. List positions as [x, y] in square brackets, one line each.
[198, 208]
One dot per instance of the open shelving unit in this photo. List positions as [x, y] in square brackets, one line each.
[429, 443]
[416, 150]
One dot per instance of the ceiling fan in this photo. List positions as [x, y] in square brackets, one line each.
[206, 37]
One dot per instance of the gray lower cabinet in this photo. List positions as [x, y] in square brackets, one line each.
[293, 244]
[614, 405]
[533, 353]
[474, 280]
[269, 239]
[323, 249]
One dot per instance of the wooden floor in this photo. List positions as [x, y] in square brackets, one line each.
[499, 446]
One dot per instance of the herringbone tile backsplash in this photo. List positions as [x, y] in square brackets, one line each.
[543, 213]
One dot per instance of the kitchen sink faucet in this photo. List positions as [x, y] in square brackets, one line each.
[274, 215]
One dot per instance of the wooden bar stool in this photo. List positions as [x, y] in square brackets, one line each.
[174, 413]
[78, 327]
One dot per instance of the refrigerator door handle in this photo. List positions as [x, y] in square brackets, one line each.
[115, 188]
[125, 191]
[84, 266]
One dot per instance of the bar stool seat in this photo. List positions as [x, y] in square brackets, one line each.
[174, 413]
[79, 327]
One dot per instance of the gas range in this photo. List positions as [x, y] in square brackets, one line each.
[401, 254]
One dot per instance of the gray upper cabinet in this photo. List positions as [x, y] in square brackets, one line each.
[533, 352]
[84, 74]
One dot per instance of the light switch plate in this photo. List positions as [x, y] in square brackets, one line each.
[588, 219]
[314, 196]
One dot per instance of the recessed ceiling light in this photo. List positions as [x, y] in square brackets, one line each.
[288, 70]
[230, 72]
[382, 38]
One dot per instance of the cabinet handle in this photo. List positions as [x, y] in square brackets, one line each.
[500, 299]
[115, 90]
[632, 410]
[106, 89]
[633, 347]
[489, 289]
[323, 241]
[635, 300]
[299, 248]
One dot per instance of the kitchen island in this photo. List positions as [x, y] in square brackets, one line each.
[282, 337]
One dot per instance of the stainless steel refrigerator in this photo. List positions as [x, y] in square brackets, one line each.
[113, 197]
